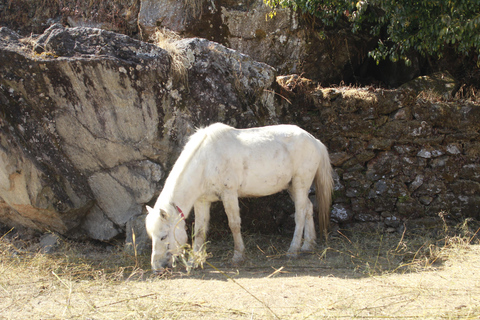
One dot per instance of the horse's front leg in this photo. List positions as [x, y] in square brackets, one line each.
[230, 203]
[202, 218]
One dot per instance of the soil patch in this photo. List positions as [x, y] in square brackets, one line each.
[355, 275]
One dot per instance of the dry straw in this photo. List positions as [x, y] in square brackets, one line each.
[170, 42]
[357, 274]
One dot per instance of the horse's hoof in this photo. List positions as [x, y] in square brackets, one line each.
[238, 260]
[292, 254]
[307, 249]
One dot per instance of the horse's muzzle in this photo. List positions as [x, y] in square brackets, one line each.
[159, 267]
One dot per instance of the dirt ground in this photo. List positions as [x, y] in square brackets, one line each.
[369, 276]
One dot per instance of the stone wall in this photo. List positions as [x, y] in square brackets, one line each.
[396, 156]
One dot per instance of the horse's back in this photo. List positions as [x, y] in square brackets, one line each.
[220, 132]
[260, 161]
[288, 140]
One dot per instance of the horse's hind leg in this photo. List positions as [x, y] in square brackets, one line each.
[303, 219]
[230, 203]
[309, 232]
[202, 218]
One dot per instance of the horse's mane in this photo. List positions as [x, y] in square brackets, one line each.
[193, 144]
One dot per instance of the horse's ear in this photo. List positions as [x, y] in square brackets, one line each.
[163, 214]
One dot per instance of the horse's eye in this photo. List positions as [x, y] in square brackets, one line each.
[163, 238]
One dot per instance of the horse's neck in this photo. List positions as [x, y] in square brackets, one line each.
[186, 188]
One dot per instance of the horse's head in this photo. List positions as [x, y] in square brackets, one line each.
[167, 230]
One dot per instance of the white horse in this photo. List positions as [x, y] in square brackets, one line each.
[223, 163]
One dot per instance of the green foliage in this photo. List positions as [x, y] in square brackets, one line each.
[427, 26]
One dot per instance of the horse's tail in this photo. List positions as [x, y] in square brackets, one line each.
[323, 190]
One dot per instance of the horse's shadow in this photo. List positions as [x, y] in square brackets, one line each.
[346, 254]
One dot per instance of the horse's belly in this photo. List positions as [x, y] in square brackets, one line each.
[265, 181]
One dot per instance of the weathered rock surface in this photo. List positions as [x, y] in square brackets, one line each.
[91, 120]
[439, 84]
[290, 42]
[283, 41]
[31, 16]
[170, 14]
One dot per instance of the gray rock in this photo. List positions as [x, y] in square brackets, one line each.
[471, 171]
[453, 149]
[137, 237]
[341, 213]
[97, 225]
[49, 242]
[392, 221]
[170, 14]
[416, 183]
[439, 83]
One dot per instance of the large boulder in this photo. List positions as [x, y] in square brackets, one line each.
[91, 121]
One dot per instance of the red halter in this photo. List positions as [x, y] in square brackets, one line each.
[180, 212]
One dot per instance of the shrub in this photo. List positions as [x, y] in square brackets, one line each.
[428, 27]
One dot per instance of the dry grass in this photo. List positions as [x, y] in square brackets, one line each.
[428, 274]
[169, 41]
